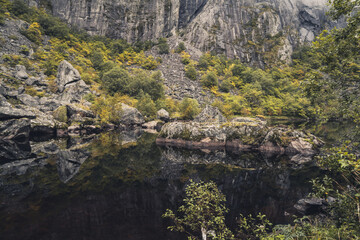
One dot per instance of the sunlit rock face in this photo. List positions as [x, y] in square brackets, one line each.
[239, 28]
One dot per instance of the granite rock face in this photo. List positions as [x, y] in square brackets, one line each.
[238, 28]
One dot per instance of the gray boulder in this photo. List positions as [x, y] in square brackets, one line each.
[49, 104]
[69, 83]
[15, 129]
[28, 100]
[163, 115]
[4, 102]
[131, 116]
[15, 113]
[210, 114]
[74, 110]
[21, 72]
[311, 206]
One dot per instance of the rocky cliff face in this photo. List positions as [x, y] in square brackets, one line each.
[255, 31]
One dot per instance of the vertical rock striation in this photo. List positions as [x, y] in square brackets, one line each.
[255, 31]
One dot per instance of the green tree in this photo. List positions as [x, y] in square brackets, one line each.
[203, 213]
[116, 80]
[97, 59]
[146, 106]
[189, 108]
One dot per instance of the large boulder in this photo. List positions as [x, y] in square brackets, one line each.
[28, 100]
[163, 115]
[21, 72]
[49, 104]
[70, 86]
[15, 113]
[16, 129]
[131, 116]
[4, 102]
[210, 114]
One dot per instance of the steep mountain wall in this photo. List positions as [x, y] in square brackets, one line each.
[256, 31]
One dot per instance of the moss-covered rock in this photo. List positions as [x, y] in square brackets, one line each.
[60, 114]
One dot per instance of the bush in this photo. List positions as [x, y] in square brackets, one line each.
[24, 50]
[189, 108]
[146, 106]
[108, 108]
[180, 48]
[18, 8]
[163, 46]
[190, 72]
[97, 59]
[226, 86]
[4, 7]
[33, 33]
[54, 27]
[237, 70]
[115, 80]
[209, 80]
[118, 46]
[185, 58]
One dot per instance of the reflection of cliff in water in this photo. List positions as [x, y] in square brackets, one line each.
[116, 186]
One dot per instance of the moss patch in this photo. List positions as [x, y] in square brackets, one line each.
[60, 114]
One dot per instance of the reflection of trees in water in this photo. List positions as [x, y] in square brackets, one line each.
[118, 186]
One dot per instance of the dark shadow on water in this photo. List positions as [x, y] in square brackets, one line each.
[117, 186]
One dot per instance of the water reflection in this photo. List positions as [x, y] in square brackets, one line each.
[116, 186]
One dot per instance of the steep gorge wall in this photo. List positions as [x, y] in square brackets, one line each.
[255, 31]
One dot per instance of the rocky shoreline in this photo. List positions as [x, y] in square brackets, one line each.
[241, 134]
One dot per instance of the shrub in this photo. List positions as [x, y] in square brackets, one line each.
[24, 50]
[189, 108]
[146, 106]
[209, 80]
[185, 58]
[180, 48]
[190, 72]
[33, 33]
[226, 86]
[108, 108]
[53, 26]
[18, 8]
[163, 46]
[238, 69]
[115, 80]
[97, 59]
[118, 46]
[4, 7]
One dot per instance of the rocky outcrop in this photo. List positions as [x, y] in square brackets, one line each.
[16, 129]
[163, 115]
[246, 29]
[70, 86]
[15, 113]
[131, 116]
[248, 135]
[210, 114]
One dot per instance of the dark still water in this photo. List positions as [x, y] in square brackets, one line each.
[117, 186]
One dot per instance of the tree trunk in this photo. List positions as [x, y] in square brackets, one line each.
[203, 233]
